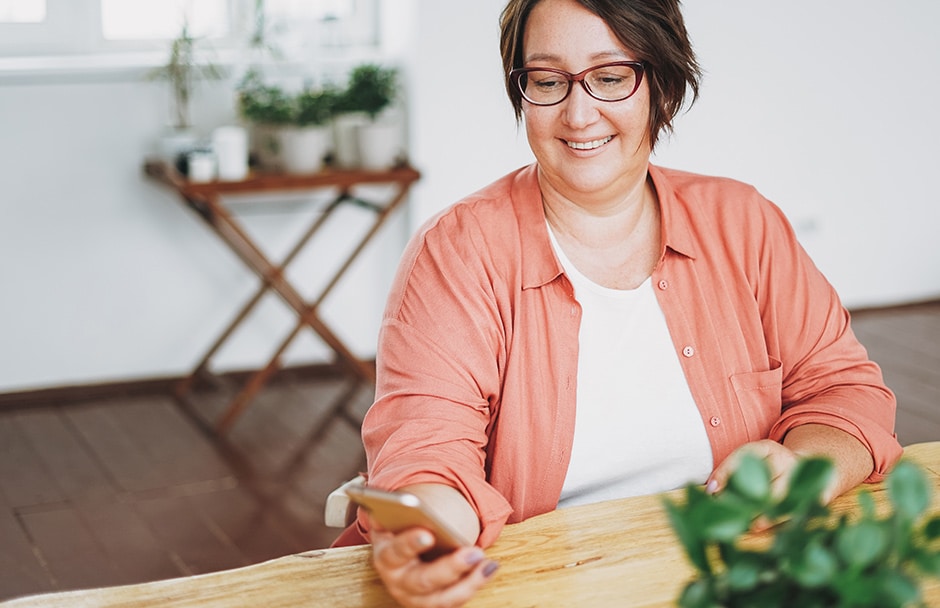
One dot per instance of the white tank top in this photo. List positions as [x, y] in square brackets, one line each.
[637, 429]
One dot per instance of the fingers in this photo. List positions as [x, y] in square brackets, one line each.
[395, 551]
[780, 459]
[449, 580]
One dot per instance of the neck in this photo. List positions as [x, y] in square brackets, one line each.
[615, 243]
[600, 220]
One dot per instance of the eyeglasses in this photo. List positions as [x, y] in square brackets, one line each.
[606, 82]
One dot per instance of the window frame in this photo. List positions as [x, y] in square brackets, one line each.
[71, 43]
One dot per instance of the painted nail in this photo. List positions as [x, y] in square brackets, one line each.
[473, 557]
[490, 568]
[712, 487]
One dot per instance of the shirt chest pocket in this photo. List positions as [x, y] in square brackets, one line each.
[759, 399]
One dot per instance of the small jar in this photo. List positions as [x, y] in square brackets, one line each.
[201, 166]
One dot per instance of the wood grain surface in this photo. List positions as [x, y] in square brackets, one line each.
[616, 553]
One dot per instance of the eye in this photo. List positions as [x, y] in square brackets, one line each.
[611, 82]
[546, 81]
[610, 79]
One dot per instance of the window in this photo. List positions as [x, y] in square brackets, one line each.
[163, 19]
[22, 11]
[96, 27]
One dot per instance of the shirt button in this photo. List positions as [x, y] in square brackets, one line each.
[663, 284]
[688, 351]
[715, 421]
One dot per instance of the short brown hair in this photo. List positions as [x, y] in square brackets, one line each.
[653, 29]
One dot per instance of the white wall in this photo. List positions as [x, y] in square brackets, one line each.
[106, 276]
[829, 108]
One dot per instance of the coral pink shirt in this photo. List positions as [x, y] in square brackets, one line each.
[478, 349]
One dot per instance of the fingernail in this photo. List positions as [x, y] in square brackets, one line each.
[473, 557]
[712, 487]
[490, 568]
[425, 540]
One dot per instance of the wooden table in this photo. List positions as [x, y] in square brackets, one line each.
[209, 202]
[616, 553]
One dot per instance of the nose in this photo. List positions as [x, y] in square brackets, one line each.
[580, 109]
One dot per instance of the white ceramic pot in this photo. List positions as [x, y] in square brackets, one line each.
[230, 145]
[346, 139]
[380, 144]
[303, 148]
[266, 146]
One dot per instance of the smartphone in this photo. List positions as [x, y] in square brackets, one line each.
[398, 511]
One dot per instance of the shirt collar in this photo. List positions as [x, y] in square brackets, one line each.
[676, 223]
[539, 263]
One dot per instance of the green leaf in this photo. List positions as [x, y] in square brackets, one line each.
[743, 575]
[776, 594]
[751, 479]
[690, 539]
[815, 566]
[720, 521]
[862, 544]
[932, 528]
[809, 479]
[896, 590]
[698, 594]
[867, 504]
[908, 490]
[927, 561]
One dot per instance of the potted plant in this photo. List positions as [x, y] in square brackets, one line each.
[366, 133]
[371, 89]
[810, 557]
[306, 141]
[266, 108]
[182, 70]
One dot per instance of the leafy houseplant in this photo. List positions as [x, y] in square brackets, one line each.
[266, 109]
[811, 558]
[306, 142]
[290, 130]
[371, 89]
[314, 107]
[264, 104]
[366, 134]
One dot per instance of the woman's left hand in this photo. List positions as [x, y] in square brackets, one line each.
[853, 461]
[781, 460]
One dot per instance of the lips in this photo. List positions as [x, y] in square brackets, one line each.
[588, 145]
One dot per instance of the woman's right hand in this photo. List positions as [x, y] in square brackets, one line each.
[449, 580]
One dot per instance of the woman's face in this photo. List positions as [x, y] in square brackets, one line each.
[585, 147]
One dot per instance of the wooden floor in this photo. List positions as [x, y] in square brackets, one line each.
[123, 490]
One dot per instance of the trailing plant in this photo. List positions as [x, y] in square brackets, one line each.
[182, 70]
[810, 558]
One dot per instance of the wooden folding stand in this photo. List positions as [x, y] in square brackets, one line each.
[207, 200]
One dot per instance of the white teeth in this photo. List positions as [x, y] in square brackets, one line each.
[589, 145]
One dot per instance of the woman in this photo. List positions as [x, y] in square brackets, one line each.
[592, 326]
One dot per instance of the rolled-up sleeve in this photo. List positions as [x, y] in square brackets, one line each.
[439, 376]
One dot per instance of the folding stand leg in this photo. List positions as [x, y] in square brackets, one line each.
[273, 278]
[186, 384]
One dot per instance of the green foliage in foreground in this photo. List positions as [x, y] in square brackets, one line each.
[813, 558]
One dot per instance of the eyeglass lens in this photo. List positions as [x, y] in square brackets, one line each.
[606, 82]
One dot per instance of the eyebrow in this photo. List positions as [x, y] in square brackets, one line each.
[596, 56]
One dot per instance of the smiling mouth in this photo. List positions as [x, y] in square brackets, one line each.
[588, 145]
